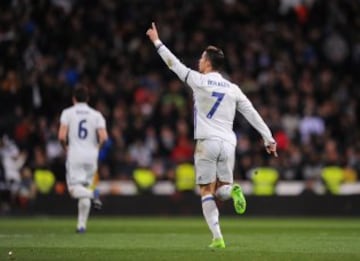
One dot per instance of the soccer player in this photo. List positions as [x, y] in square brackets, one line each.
[82, 132]
[216, 101]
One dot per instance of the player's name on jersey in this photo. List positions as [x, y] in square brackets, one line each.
[218, 84]
[81, 112]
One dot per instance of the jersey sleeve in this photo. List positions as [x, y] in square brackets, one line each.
[190, 77]
[245, 107]
[100, 122]
[64, 118]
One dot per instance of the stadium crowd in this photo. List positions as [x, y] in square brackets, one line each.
[297, 61]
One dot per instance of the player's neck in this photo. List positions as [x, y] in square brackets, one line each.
[209, 70]
[80, 103]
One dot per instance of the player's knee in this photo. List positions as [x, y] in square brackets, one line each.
[72, 192]
[223, 192]
[208, 189]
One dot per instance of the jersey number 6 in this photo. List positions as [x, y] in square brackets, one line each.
[219, 96]
[82, 131]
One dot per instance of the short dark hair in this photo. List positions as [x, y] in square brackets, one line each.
[216, 57]
[81, 94]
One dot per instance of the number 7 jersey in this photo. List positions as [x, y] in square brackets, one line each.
[82, 122]
[216, 101]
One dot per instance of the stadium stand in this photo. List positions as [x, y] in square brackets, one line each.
[296, 60]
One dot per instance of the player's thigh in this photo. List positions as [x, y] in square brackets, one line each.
[75, 174]
[90, 170]
[225, 164]
[79, 173]
[206, 154]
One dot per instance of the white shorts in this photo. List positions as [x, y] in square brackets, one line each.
[80, 173]
[214, 160]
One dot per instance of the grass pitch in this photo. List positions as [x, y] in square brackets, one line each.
[179, 239]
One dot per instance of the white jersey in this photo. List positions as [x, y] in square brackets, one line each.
[215, 102]
[83, 123]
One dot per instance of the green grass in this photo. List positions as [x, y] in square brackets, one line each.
[179, 239]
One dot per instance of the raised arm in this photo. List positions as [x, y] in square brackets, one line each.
[191, 77]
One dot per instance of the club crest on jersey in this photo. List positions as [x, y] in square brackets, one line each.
[169, 63]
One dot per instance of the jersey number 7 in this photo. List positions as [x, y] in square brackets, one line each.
[219, 97]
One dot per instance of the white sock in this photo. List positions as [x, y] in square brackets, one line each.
[79, 191]
[211, 214]
[83, 212]
[223, 192]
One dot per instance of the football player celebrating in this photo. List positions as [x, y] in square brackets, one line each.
[216, 101]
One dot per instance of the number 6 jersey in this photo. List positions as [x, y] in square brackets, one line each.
[83, 123]
[215, 102]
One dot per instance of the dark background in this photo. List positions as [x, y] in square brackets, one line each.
[298, 64]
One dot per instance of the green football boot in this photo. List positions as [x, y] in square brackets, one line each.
[238, 198]
[217, 243]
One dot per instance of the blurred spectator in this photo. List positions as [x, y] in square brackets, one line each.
[140, 153]
[311, 125]
[12, 161]
[27, 188]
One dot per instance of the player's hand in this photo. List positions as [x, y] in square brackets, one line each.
[271, 148]
[153, 33]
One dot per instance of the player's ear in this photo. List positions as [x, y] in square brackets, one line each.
[208, 62]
